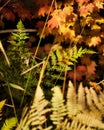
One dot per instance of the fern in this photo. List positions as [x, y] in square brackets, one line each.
[62, 60]
[72, 106]
[81, 98]
[82, 110]
[75, 53]
[91, 106]
[80, 114]
[58, 107]
[35, 117]
[90, 121]
[9, 124]
[96, 100]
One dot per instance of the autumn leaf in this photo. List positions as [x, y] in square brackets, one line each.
[44, 10]
[101, 60]
[99, 4]
[41, 2]
[54, 22]
[81, 2]
[58, 39]
[8, 14]
[78, 39]
[66, 32]
[91, 68]
[95, 27]
[71, 75]
[101, 48]
[22, 12]
[93, 41]
[85, 60]
[68, 10]
[80, 72]
[81, 68]
[40, 25]
[86, 9]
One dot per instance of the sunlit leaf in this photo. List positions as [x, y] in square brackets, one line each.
[2, 103]
[16, 86]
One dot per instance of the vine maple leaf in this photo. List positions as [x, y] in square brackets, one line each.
[8, 14]
[99, 4]
[80, 72]
[86, 9]
[41, 2]
[67, 32]
[54, 22]
[22, 12]
[81, 2]
[93, 41]
[91, 68]
[44, 10]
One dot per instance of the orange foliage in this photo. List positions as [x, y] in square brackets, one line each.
[44, 10]
[93, 41]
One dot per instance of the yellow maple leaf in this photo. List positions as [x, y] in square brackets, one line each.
[93, 41]
[95, 27]
[66, 32]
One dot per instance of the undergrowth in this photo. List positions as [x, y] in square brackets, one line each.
[22, 75]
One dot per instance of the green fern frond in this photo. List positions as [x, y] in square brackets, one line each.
[20, 25]
[58, 107]
[77, 53]
[59, 56]
[53, 58]
[64, 59]
[9, 124]
[19, 37]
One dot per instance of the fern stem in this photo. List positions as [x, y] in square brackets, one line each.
[64, 83]
[75, 75]
[12, 102]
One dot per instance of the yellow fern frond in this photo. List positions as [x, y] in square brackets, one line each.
[58, 107]
[72, 106]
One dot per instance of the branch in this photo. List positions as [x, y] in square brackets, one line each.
[16, 30]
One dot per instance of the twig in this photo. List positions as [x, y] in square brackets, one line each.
[100, 82]
[5, 5]
[16, 30]
[26, 71]
[4, 53]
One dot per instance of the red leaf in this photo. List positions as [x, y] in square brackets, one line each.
[22, 12]
[91, 68]
[54, 22]
[80, 72]
[81, 68]
[8, 14]
[44, 10]
[40, 25]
